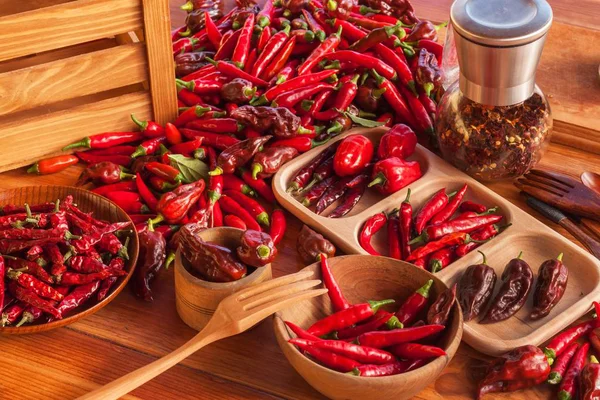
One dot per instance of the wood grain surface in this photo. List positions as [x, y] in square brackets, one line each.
[128, 334]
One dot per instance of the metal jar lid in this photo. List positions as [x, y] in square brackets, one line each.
[499, 44]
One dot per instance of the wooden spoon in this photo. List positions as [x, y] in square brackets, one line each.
[591, 180]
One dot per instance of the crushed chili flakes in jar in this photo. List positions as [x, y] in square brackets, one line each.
[493, 142]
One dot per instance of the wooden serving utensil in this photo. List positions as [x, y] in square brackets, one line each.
[591, 180]
[561, 191]
[235, 314]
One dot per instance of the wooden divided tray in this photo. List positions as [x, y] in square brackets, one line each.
[537, 241]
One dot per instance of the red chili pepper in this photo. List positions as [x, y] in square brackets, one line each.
[123, 150]
[453, 239]
[26, 296]
[421, 117]
[363, 61]
[2, 283]
[468, 225]
[172, 133]
[232, 182]
[314, 25]
[393, 234]
[184, 45]
[164, 171]
[259, 186]
[230, 206]
[263, 39]
[449, 210]
[435, 204]
[405, 226]
[416, 351]
[149, 147]
[394, 98]
[392, 174]
[213, 33]
[278, 225]
[12, 313]
[482, 234]
[240, 54]
[145, 193]
[380, 319]
[561, 341]
[187, 149]
[394, 60]
[53, 164]
[315, 106]
[263, 18]
[202, 86]
[190, 99]
[400, 141]
[370, 227]
[303, 176]
[270, 51]
[394, 368]
[432, 47]
[347, 317]
[352, 351]
[216, 140]
[220, 125]
[301, 333]
[338, 301]
[123, 161]
[332, 360]
[441, 259]
[367, 22]
[234, 222]
[429, 105]
[560, 366]
[352, 195]
[384, 339]
[568, 389]
[149, 128]
[206, 70]
[78, 296]
[352, 155]
[414, 304]
[317, 190]
[287, 72]
[279, 60]
[345, 96]
[251, 205]
[290, 98]
[228, 43]
[327, 46]
[130, 202]
[188, 115]
[216, 216]
[471, 206]
[173, 206]
[300, 143]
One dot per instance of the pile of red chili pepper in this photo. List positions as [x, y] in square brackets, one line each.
[444, 229]
[344, 170]
[366, 340]
[562, 363]
[54, 259]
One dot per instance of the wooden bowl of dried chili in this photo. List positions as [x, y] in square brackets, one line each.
[362, 278]
[80, 304]
[197, 299]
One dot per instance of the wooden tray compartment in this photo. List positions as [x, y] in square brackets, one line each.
[536, 240]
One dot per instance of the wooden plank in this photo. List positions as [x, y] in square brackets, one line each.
[160, 60]
[66, 24]
[8, 7]
[72, 77]
[35, 138]
[577, 137]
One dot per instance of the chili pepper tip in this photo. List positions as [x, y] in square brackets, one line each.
[560, 256]
[256, 169]
[186, 33]
[263, 218]
[85, 142]
[564, 395]
[554, 378]
[142, 124]
[484, 258]
[188, 7]
[520, 256]
[217, 171]
[376, 305]
[169, 260]
[394, 323]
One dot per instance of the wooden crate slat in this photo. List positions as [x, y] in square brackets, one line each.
[30, 140]
[160, 60]
[72, 77]
[66, 25]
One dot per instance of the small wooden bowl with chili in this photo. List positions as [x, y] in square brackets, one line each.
[86, 201]
[197, 299]
[362, 278]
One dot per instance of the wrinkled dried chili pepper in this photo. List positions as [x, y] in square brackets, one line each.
[27, 296]
[550, 287]
[475, 289]
[268, 161]
[256, 248]
[589, 380]
[439, 312]
[351, 197]
[311, 245]
[103, 173]
[303, 176]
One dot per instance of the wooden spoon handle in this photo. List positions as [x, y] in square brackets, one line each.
[134, 379]
[588, 241]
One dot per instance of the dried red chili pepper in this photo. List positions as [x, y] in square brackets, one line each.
[152, 256]
[104, 173]
[393, 174]
[352, 155]
[371, 227]
[2, 283]
[173, 206]
[311, 245]
[230, 206]
[256, 248]
[517, 281]
[414, 304]
[568, 386]
[550, 287]
[523, 367]
[347, 317]
[278, 225]
[433, 206]
[559, 368]
[384, 339]
[439, 312]
[433, 47]
[351, 197]
[268, 161]
[475, 289]
[349, 350]
[106, 140]
[279, 121]
[303, 176]
[589, 380]
[332, 193]
[27, 296]
[12, 313]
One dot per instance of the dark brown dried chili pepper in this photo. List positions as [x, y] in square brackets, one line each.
[551, 285]
[517, 281]
[239, 154]
[440, 310]
[311, 244]
[256, 248]
[475, 289]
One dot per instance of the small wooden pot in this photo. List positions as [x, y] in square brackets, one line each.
[197, 299]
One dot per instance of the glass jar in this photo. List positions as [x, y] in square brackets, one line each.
[493, 142]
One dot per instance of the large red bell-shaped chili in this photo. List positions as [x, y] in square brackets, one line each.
[352, 155]
[520, 368]
[173, 206]
[393, 174]
[400, 141]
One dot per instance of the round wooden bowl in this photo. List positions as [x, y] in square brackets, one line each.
[197, 299]
[87, 201]
[363, 278]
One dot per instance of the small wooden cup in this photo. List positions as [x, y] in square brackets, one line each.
[363, 278]
[197, 299]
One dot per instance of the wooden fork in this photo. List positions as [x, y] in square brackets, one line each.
[562, 192]
[235, 314]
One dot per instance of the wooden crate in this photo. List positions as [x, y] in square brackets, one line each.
[70, 69]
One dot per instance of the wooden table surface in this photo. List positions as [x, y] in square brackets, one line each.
[128, 333]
